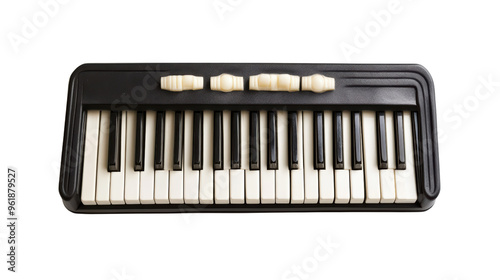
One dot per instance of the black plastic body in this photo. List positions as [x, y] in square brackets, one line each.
[358, 87]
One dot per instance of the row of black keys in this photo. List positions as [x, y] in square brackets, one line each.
[272, 149]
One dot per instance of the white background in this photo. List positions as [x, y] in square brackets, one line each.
[458, 43]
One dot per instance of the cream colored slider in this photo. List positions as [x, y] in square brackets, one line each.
[181, 82]
[275, 82]
[318, 83]
[226, 83]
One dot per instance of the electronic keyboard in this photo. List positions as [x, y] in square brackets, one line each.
[249, 137]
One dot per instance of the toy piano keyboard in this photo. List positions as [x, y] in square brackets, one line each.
[256, 137]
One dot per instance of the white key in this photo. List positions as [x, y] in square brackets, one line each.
[310, 174]
[191, 177]
[267, 177]
[162, 177]
[221, 185]
[161, 186]
[117, 188]
[207, 173]
[387, 186]
[221, 177]
[387, 180]
[343, 176]
[148, 175]
[132, 177]
[283, 173]
[297, 175]
[370, 160]
[90, 157]
[357, 186]
[342, 182]
[103, 176]
[176, 184]
[252, 177]
[406, 184]
[237, 180]
[326, 193]
[357, 182]
[252, 182]
[237, 186]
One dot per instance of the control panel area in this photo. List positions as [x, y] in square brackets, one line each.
[263, 82]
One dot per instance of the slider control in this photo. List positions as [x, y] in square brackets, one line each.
[226, 83]
[275, 82]
[317, 83]
[181, 82]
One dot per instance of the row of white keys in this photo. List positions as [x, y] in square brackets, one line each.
[283, 172]
[221, 177]
[237, 186]
[326, 185]
[406, 186]
[297, 175]
[117, 188]
[207, 173]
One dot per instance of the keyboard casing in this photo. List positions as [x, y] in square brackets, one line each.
[358, 87]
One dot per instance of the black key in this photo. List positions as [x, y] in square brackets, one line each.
[140, 141]
[293, 160]
[198, 140]
[178, 140]
[416, 147]
[381, 141]
[319, 141]
[114, 147]
[218, 141]
[338, 139]
[400, 141]
[160, 141]
[357, 154]
[254, 141]
[272, 141]
[235, 140]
